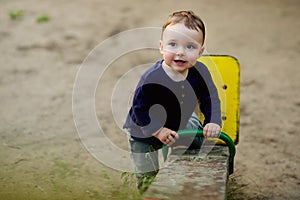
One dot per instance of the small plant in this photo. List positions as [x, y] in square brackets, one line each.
[127, 178]
[16, 14]
[43, 18]
[128, 187]
[64, 168]
[146, 182]
[105, 174]
[235, 191]
[59, 175]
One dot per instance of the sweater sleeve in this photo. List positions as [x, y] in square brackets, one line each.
[208, 97]
[144, 112]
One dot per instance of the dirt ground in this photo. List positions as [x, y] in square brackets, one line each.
[41, 155]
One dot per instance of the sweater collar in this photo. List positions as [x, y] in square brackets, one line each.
[174, 75]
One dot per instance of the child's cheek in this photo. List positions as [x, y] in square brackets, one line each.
[194, 59]
[168, 56]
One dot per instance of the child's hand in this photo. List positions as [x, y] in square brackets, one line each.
[166, 136]
[211, 130]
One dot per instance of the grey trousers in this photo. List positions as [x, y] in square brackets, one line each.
[145, 156]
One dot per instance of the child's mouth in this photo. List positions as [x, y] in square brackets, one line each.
[179, 62]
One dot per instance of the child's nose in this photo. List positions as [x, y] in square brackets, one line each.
[180, 51]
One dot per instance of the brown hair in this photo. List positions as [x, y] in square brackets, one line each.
[189, 19]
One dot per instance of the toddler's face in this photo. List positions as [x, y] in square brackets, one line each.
[181, 47]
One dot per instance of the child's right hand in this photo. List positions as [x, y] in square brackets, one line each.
[166, 136]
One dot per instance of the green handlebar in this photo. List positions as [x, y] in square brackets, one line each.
[199, 133]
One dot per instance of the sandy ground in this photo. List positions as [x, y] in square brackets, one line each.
[42, 156]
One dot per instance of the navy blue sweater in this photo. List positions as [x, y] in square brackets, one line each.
[160, 101]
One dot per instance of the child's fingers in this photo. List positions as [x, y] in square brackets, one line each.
[211, 130]
[214, 132]
[170, 138]
[174, 135]
[205, 130]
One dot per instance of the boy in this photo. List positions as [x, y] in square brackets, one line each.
[168, 92]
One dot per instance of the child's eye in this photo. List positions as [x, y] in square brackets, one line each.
[172, 44]
[190, 46]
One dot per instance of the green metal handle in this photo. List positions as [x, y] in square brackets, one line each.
[199, 133]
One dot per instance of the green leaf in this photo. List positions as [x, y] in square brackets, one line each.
[42, 18]
[16, 14]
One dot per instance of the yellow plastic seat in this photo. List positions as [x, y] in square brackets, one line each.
[225, 71]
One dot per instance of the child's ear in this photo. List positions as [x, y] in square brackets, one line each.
[201, 51]
[161, 47]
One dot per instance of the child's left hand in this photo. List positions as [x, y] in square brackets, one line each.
[211, 130]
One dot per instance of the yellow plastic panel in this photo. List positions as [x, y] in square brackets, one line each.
[225, 71]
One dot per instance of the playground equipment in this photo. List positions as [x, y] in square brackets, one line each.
[192, 176]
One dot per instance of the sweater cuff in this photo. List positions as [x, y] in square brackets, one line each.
[151, 128]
